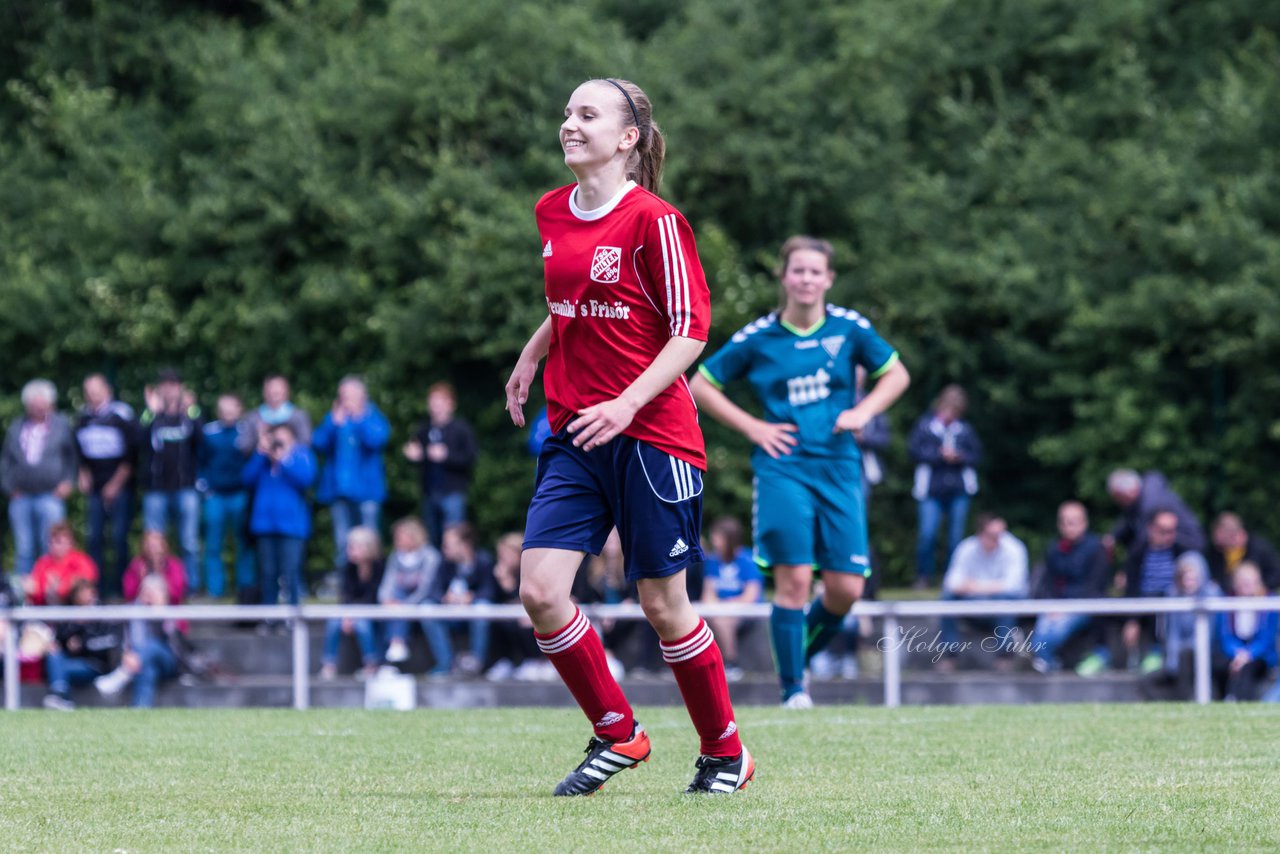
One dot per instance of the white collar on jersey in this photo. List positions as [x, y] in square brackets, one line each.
[604, 209]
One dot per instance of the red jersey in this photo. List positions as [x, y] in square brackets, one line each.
[621, 281]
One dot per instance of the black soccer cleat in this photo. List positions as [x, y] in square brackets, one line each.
[722, 775]
[604, 759]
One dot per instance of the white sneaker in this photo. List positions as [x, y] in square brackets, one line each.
[58, 704]
[849, 667]
[615, 666]
[798, 701]
[733, 673]
[113, 683]
[328, 673]
[500, 671]
[397, 652]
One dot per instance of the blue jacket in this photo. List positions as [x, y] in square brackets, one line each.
[1078, 570]
[353, 457]
[935, 477]
[280, 496]
[221, 462]
[1261, 644]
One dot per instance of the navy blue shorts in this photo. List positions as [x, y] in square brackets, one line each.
[653, 498]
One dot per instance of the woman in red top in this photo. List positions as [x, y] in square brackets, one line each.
[155, 559]
[628, 312]
[54, 573]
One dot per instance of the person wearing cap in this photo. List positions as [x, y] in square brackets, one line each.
[172, 428]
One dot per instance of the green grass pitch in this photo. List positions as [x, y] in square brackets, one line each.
[836, 778]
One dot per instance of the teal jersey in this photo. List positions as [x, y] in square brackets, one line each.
[804, 378]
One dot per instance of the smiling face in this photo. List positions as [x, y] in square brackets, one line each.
[594, 133]
[806, 278]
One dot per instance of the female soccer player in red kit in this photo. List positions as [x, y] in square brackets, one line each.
[628, 312]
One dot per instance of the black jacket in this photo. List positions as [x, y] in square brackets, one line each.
[94, 640]
[477, 578]
[454, 474]
[1259, 551]
[358, 591]
[170, 452]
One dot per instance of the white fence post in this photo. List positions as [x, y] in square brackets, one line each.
[892, 662]
[301, 663]
[11, 697]
[1203, 652]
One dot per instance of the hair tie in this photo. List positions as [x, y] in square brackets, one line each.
[630, 103]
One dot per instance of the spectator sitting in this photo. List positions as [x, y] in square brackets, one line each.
[276, 409]
[1248, 638]
[84, 651]
[150, 650]
[1175, 680]
[445, 446]
[1139, 497]
[602, 579]
[351, 438]
[467, 580]
[731, 576]
[513, 647]
[361, 576]
[1149, 572]
[1075, 567]
[946, 450]
[226, 501]
[412, 577]
[173, 428]
[154, 559]
[280, 473]
[1234, 544]
[992, 564]
[37, 471]
[55, 573]
[107, 437]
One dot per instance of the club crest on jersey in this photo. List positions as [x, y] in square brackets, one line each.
[606, 265]
[832, 344]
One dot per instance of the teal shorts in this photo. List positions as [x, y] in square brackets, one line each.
[811, 510]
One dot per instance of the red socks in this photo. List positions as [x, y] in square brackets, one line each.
[578, 656]
[699, 670]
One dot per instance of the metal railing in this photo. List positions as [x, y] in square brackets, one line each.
[891, 612]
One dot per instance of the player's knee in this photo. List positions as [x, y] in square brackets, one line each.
[537, 598]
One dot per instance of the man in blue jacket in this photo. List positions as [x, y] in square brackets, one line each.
[352, 438]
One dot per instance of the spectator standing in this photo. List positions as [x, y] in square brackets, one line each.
[107, 438]
[468, 580]
[154, 559]
[1075, 567]
[58, 570]
[37, 471]
[1139, 497]
[280, 473]
[1248, 638]
[277, 408]
[173, 428]
[1234, 544]
[991, 564]
[730, 575]
[84, 650]
[946, 450]
[226, 501]
[445, 447]
[361, 575]
[352, 438]
[413, 576]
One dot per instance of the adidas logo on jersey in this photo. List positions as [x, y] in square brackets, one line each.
[679, 548]
[546, 250]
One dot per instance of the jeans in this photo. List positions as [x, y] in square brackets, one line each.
[931, 509]
[63, 671]
[346, 515]
[1054, 630]
[30, 517]
[437, 633]
[158, 662]
[441, 510]
[1000, 625]
[183, 507]
[119, 515]
[281, 560]
[365, 634]
[223, 511]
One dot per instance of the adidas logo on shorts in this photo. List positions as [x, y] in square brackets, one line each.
[679, 548]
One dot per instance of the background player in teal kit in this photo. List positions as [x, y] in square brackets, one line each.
[809, 510]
